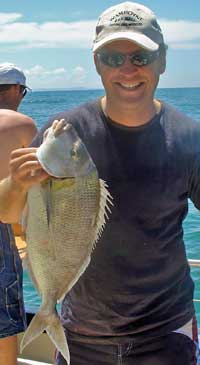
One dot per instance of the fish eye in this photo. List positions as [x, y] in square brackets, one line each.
[74, 153]
[76, 150]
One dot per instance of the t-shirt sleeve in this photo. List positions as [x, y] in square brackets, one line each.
[194, 181]
[194, 166]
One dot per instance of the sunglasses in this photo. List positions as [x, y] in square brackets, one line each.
[24, 92]
[117, 59]
[6, 87]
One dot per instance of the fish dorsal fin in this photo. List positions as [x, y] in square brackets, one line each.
[104, 208]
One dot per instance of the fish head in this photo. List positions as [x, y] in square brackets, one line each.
[62, 153]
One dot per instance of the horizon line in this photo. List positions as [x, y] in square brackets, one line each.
[102, 89]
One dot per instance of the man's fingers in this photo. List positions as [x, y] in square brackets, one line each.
[22, 151]
[25, 167]
[15, 162]
[39, 176]
[34, 176]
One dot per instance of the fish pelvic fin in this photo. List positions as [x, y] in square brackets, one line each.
[52, 325]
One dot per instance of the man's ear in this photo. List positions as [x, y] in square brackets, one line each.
[97, 65]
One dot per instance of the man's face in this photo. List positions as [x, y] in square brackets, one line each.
[129, 84]
[11, 97]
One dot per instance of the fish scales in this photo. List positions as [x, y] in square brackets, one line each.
[72, 227]
[64, 219]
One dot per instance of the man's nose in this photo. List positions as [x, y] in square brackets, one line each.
[128, 66]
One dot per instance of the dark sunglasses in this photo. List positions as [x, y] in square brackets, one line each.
[24, 91]
[7, 87]
[117, 59]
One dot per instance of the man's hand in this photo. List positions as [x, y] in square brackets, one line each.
[25, 169]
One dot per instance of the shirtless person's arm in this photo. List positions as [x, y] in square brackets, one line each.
[16, 130]
[25, 171]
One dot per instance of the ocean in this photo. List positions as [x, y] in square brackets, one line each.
[41, 104]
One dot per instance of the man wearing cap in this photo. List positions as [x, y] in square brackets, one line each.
[134, 303]
[16, 131]
[12, 86]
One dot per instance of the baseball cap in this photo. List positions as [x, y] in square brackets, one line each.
[12, 75]
[128, 21]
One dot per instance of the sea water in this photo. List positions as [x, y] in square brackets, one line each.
[41, 104]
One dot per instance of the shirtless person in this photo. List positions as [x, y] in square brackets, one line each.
[16, 130]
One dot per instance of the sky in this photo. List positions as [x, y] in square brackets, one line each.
[52, 40]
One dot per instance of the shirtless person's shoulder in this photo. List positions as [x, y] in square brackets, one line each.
[16, 130]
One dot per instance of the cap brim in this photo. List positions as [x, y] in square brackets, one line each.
[13, 82]
[138, 38]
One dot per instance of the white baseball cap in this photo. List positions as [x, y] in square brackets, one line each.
[12, 75]
[128, 21]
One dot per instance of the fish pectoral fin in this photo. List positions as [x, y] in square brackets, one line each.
[23, 219]
[51, 323]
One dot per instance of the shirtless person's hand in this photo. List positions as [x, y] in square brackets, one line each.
[25, 169]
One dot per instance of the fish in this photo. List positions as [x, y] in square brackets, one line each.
[63, 220]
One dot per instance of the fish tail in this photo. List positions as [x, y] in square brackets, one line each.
[52, 325]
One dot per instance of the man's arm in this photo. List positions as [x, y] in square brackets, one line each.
[25, 171]
[12, 201]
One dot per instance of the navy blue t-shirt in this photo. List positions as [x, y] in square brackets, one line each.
[138, 283]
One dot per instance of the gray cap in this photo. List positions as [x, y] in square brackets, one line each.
[128, 21]
[11, 75]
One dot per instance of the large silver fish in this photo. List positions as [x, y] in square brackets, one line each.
[64, 219]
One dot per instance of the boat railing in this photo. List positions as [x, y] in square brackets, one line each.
[194, 263]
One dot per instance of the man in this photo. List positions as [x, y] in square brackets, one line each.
[12, 86]
[16, 130]
[134, 303]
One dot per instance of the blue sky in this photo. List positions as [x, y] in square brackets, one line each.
[51, 40]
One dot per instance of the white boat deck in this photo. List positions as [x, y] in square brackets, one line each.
[31, 362]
